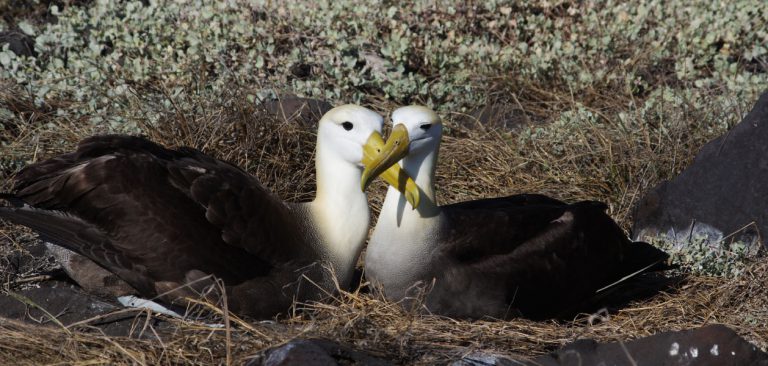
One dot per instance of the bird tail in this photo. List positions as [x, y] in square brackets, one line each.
[71, 232]
[52, 226]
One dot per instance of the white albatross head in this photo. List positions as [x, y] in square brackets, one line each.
[351, 135]
[415, 136]
[344, 133]
[348, 142]
[417, 126]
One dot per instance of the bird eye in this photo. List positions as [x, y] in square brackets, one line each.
[347, 125]
[425, 126]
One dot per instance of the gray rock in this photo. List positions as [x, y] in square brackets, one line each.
[299, 352]
[18, 42]
[70, 305]
[314, 352]
[721, 195]
[305, 111]
[713, 345]
[28, 258]
[488, 359]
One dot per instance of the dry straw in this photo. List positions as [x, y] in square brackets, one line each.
[604, 161]
[384, 329]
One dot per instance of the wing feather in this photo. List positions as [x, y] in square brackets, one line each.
[544, 254]
[164, 211]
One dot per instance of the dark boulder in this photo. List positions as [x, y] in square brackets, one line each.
[713, 345]
[490, 359]
[314, 352]
[299, 352]
[69, 305]
[305, 111]
[27, 257]
[18, 42]
[720, 197]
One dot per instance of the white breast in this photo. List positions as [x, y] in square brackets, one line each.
[399, 251]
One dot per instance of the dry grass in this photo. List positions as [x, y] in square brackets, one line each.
[604, 161]
[386, 330]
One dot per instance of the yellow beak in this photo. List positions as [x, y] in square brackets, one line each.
[381, 159]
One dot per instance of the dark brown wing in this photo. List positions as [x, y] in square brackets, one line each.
[152, 214]
[547, 255]
[497, 226]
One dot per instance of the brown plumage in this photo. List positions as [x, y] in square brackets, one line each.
[527, 254]
[166, 221]
[161, 218]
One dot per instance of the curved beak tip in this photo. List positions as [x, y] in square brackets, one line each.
[365, 181]
[413, 198]
[381, 159]
[378, 156]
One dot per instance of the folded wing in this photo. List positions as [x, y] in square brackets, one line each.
[538, 255]
[157, 216]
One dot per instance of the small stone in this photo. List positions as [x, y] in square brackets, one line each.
[299, 352]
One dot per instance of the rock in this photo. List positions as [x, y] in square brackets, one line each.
[57, 298]
[27, 258]
[18, 42]
[713, 345]
[299, 352]
[721, 195]
[305, 111]
[314, 352]
[70, 305]
[301, 70]
[488, 359]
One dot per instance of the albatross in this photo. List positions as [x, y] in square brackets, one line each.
[522, 255]
[170, 222]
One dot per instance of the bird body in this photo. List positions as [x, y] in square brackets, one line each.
[526, 254]
[167, 222]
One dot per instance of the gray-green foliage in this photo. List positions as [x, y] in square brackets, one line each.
[113, 58]
[701, 256]
[121, 64]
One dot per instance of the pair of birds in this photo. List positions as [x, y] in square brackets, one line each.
[166, 224]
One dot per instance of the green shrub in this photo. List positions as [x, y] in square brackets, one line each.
[114, 57]
[702, 257]
[632, 89]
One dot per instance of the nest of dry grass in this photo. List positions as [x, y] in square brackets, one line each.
[384, 329]
[606, 162]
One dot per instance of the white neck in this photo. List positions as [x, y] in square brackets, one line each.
[340, 212]
[421, 167]
[404, 238]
